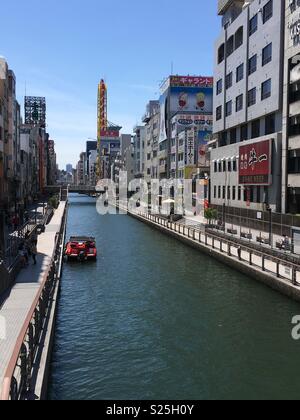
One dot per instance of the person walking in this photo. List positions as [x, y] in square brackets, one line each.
[34, 252]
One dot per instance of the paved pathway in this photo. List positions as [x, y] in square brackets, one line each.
[18, 301]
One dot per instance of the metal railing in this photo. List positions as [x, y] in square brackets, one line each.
[276, 266]
[25, 231]
[18, 383]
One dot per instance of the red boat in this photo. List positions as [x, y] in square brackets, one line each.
[81, 248]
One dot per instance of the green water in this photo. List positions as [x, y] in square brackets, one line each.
[154, 319]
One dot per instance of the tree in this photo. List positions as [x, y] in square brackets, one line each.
[210, 215]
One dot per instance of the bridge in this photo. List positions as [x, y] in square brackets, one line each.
[78, 189]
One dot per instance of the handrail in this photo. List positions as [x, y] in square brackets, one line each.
[8, 377]
[230, 243]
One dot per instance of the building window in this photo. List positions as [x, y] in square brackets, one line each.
[229, 108]
[224, 165]
[230, 46]
[252, 66]
[224, 193]
[229, 165]
[267, 54]
[253, 25]
[219, 192]
[239, 193]
[223, 139]
[294, 123]
[234, 193]
[239, 35]
[228, 82]
[258, 195]
[220, 166]
[219, 86]
[215, 191]
[295, 92]
[228, 193]
[266, 89]
[239, 103]
[219, 113]
[270, 124]
[252, 97]
[240, 73]
[233, 136]
[221, 53]
[234, 165]
[255, 129]
[216, 167]
[268, 11]
[244, 132]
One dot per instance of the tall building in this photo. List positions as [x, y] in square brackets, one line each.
[90, 145]
[69, 168]
[186, 105]
[291, 109]
[246, 165]
[152, 122]
[139, 151]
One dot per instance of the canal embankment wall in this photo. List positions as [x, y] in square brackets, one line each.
[278, 274]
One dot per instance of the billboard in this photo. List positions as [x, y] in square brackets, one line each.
[35, 111]
[163, 117]
[255, 163]
[191, 81]
[191, 99]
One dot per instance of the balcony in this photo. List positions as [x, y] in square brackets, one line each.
[173, 166]
[294, 181]
[173, 150]
[294, 143]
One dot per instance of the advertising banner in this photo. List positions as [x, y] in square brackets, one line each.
[190, 148]
[255, 162]
[191, 99]
[191, 81]
[203, 122]
[163, 115]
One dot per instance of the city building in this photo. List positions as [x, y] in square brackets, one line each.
[69, 168]
[90, 145]
[186, 107]
[246, 168]
[139, 151]
[81, 170]
[152, 122]
[291, 110]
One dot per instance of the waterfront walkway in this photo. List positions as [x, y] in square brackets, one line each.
[17, 302]
[273, 271]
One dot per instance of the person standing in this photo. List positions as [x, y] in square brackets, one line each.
[34, 252]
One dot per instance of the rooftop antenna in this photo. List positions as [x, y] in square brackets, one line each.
[172, 68]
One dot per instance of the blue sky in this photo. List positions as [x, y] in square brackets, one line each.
[60, 49]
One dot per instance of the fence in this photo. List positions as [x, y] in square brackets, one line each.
[276, 266]
[282, 224]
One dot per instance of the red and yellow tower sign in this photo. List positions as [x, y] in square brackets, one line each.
[101, 120]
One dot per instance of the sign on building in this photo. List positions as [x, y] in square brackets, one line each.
[255, 163]
[35, 111]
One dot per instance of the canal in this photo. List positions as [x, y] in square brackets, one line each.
[154, 319]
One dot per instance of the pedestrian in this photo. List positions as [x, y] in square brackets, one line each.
[34, 238]
[240, 253]
[23, 255]
[33, 250]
